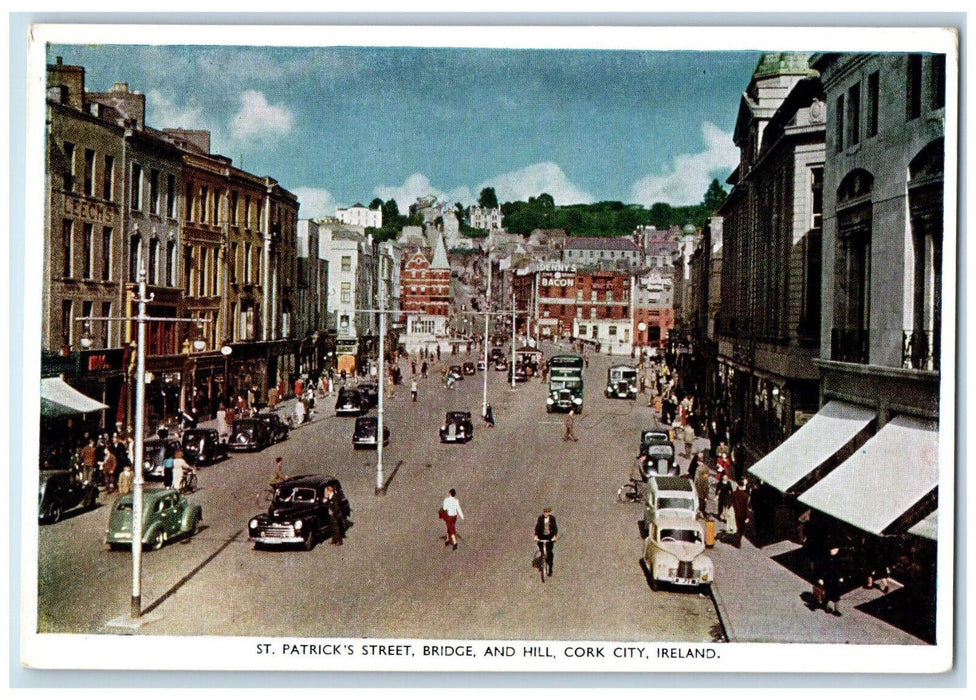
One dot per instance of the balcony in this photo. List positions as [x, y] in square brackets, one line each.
[849, 345]
[920, 350]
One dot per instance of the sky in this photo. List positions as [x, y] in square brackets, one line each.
[343, 125]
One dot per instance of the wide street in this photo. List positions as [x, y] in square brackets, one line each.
[394, 577]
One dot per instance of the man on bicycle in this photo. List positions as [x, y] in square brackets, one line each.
[546, 533]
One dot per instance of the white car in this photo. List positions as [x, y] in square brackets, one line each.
[674, 552]
[669, 496]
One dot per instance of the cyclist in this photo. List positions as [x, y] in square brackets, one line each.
[546, 533]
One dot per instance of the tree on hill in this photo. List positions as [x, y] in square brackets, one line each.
[488, 199]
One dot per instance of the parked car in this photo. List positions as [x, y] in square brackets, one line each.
[468, 368]
[659, 461]
[496, 354]
[61, 490]
[298, 513]
[456, 372]
[674, 553]
[655, 436]
[364, 434]
[350, 402]
[457, 427]
[249, 435]
[203, 446]
[520, 374]
[669, 496]
[166, 515]
[277, 428]
[370, 392]
[154, 452]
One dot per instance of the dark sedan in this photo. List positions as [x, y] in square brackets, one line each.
[370, 392]
[520, 375]
[457, 427]
[250, 435]
[350, 402]
[276, 426]
[299, 513]
[203, 446]
[468, 368]
[61, 490]
[364, 434]
[456, 371]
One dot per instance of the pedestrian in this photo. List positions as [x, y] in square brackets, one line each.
[740, 509]
[489, 417]
[701, 488]
[413, 366]
[179, 467]
[451, 509]
[167, 468]
[688, 436]
[413, 389]
[299, 411]
[125, 480]
[108, 470]
[697, 462]
[723, 490]
[423, 369]
[223, 427]
[546, 533]
[831, 581]
[88, 460]
[277, 476]
[569, 435]
[337, 518]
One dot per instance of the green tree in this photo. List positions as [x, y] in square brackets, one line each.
[488, 199]
[714, 197]
[377, 203]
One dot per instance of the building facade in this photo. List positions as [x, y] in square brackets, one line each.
[358, 215]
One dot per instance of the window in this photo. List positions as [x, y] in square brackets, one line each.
[66, 322]
[135, 257]
[247, 211]
[153, 277]
[171, 264]
[593, 295]
[107, 253]
[816, 197]
[247, 263]
[612, 331]
[582, 330]
[188, 202]
[67, 246]
[88, 236]
[233, 263]
[873, 96]
[89, 172]
[108, 178]
[854, 114]
[136, 198]
[171, 196]
[68, 178]
[609, 295]
[839, 124]
[154, 191]
[204, 200]
[214, 214]
[913, 86]
[233, 208]
[105, 325]
[937, 81]
[345, 294]
[346, 263]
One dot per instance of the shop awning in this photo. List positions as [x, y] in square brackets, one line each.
[58, 399]
[814, 443]
[927, 527]
[879, 483]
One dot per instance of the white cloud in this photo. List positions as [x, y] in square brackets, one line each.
[167, 115]
[314, 203]
[418, 185]
[533, 180]
[685, 179]
[257, 118]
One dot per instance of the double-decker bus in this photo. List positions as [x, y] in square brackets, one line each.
[565, 384]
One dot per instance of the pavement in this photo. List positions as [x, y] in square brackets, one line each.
[758, 595]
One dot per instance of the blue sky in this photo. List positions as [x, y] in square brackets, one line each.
[344, 125]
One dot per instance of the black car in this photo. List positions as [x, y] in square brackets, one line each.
[350, 402]
[496, 354]
[298, 514]
[370, 392]
[154, 453]
[364, 434]
[203, 446]
[500, 364]
[468, 368]
[249, 435]
[276, 426]
[61, 490]
[520, 374]
[457, 427]
[456, 371]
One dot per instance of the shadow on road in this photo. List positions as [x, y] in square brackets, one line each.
[183, 581]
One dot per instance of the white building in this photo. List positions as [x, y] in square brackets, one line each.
[358, 215]
[485, 218]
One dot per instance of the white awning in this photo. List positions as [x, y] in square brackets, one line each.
[814, 443]
[58, 398]
[927, 527]
[892, 472]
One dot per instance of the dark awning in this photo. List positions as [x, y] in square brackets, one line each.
[58, 399]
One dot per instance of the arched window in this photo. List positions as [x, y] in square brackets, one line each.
[852, 272]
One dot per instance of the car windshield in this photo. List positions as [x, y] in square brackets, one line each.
[675, 503]
[295, 494]
[673, 534]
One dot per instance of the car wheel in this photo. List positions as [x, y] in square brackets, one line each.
[194, 526]
[309, 541]
[55, 515]
[157, 541]
[642, 526]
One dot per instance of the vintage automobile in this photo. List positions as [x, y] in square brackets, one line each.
[621, 382]
[298, 513]
[655, 436]
[364, 433]
[520, 374]
[674, 552]
[481, 365]
[468, 368]
[166, 515]
[203, 446]
[457, 427]
[249, 435]
[61, 490]
[669, 496]
[154, 452]
[276, 426]
[501, 365]
[496, 354]
[456, 372]
[370, 391]
[350, 402]
[659, 460]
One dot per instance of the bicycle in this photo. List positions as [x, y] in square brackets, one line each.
[188, 482]
[545, 549]
[631, 492]
[263, 498]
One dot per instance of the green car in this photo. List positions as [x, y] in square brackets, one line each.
[165, 515]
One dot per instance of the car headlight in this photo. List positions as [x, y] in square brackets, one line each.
[253, 524]
[577, 401]
[298, 524]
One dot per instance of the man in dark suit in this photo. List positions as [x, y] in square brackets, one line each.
[546, 532]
